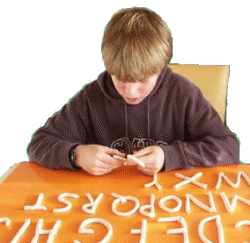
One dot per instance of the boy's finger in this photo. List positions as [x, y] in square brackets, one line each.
[146, 171]
[115, 152]
[110, 161]
[129, 162]
[107, 164]
[101, 172]
[119, 157]
[143, 152]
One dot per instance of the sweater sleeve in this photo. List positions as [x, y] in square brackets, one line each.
[50, 144]
[208, 142]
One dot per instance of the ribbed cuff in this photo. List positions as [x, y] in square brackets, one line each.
[72, 163]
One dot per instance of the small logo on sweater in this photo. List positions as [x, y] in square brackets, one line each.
[125, 146]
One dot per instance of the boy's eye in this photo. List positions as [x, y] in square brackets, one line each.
[144, 80]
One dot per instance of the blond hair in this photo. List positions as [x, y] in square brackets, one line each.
[136, 44]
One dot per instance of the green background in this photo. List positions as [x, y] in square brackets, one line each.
[49, 49]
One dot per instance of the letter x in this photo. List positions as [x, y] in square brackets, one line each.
[190, 180]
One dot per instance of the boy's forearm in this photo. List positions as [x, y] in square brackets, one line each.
[50, 145]
[211, 151]
[50, 152]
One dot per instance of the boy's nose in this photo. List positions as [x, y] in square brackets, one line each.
[132, 90]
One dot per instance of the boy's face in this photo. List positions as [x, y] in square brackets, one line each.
[134, 93]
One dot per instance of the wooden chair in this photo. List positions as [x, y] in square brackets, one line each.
[211, 79]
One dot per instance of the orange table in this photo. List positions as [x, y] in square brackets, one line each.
[23, 184]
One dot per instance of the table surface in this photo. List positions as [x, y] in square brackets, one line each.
[26, 180]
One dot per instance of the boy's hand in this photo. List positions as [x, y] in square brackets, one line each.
[97, 159]
[152, 157]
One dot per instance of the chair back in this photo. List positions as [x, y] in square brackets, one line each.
[211, 79]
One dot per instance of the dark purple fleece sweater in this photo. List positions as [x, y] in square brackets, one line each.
[175, 116]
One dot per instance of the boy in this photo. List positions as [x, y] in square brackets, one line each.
[137, 106]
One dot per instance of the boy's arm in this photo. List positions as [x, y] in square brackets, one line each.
[208, 142]
[50, 145]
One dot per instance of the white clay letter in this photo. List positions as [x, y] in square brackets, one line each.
[242, 223]
[51, 233]
[142, 231]
[21, 231]
[82, 229]
[6, 221]
[182, 230]
[38, 205]
[91, 207]
[170, 210]
[154, 183]
[190, 180]
[229, 182]
[151, 208]
[210, 209]
[219, 226]
[124, 199]
[231, 206]
[62, 200]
